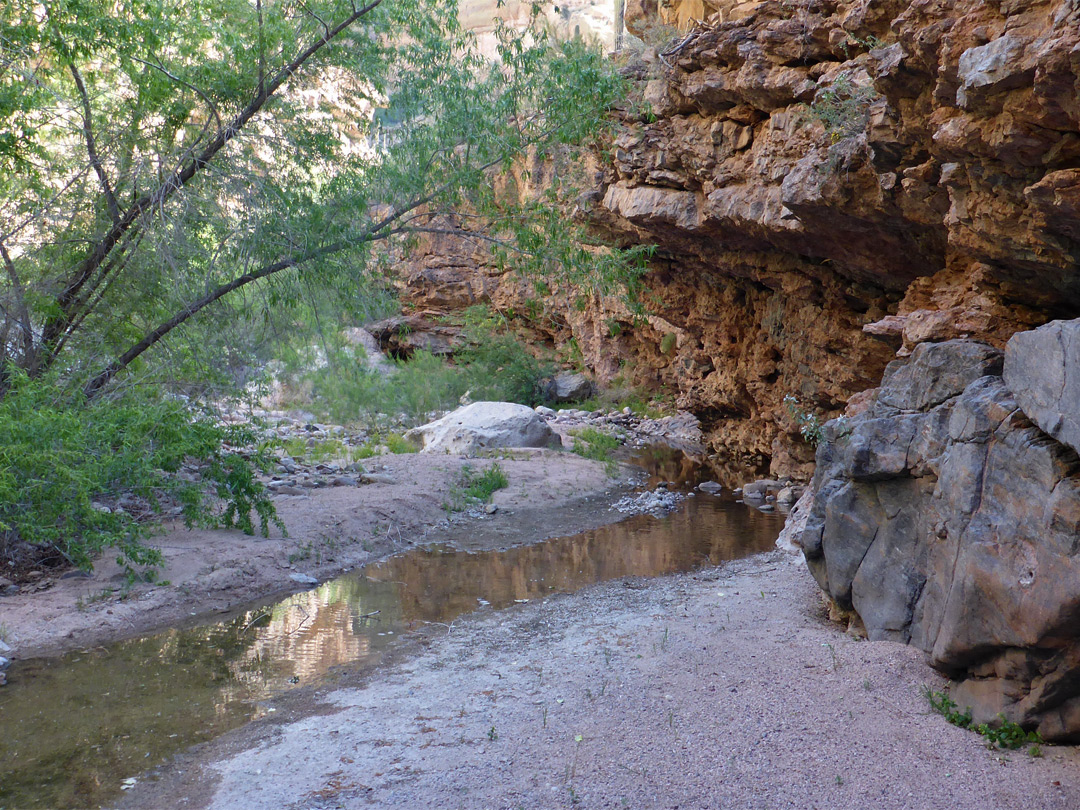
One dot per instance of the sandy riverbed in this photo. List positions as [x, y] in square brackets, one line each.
[721, 689]
[329, 531]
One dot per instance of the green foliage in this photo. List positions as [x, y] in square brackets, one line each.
[493, 365]
[599, 446]
[944, 705]
[810, 426]
[398, 444]
[1005, 735]
[482, 487]
[60, 455]
[472, 488]
[180, 191]
[844, 108]
[667, 343]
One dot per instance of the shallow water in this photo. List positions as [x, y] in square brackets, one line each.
[72, 728]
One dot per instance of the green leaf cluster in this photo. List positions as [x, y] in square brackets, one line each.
[1005, 734]
[182, 180]
[65, 463]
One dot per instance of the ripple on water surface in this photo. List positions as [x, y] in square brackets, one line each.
[72, 728]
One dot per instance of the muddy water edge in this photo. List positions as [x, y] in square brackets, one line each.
[75, 727]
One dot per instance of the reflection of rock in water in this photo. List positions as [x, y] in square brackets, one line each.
[312, 631]
[74, 727]
[441, 584]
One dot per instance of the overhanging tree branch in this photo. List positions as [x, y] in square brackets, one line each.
[55, 326]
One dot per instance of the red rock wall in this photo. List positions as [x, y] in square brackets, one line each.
[940, 197]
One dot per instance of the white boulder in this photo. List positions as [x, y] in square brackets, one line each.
[483, 426]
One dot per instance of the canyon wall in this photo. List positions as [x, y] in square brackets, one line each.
[946, 514]
[827, 183]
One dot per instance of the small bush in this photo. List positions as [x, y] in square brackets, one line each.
[598, 446]
[61, 456]
[471, 488]
[1006, 734]
[810, 426]
[482, 487]
[398, 444]
[844, 108]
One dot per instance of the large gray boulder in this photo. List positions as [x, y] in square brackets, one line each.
[1042, 369]
[569, 386]
[954, 525]
[484, 426]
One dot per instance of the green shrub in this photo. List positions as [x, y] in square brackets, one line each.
[398, 444]
[471, 488]
[810, 426]
[844, 108]
[592, 443]
[493, 365]
[483, 486]
[60, 455]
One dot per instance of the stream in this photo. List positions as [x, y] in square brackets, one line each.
[73, 728]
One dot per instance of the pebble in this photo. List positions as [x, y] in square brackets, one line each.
[304, 579]
[377, 478]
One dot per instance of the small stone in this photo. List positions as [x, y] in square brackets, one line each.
[491, 509]
[343, 481]
[4, 663]
[34, 574]
[710, 487]
[289, 490]
[377, 478]
[789, 494]
[4, 647]
[304, 579]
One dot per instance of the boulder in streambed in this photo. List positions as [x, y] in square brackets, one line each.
[948, 517]
[484, 426]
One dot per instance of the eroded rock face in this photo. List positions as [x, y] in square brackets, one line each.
[947, 519]
[826, 183]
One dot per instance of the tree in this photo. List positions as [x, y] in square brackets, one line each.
[163, 162]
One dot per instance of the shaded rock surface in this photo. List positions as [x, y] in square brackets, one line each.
[947, 519]
[1042, 367]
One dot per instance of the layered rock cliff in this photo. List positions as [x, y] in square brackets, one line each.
[826, 183]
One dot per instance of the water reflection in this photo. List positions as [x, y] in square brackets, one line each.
[440, 584]
[71, 728]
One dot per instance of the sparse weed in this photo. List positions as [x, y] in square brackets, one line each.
[1005, 735]
[844, 108]
[471, 488]
[810, 426]
[593, 444]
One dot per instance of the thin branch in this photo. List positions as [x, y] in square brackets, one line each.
[262, 47]
[179, 178]
[91, 146]
[23, 313]
[206, 99]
